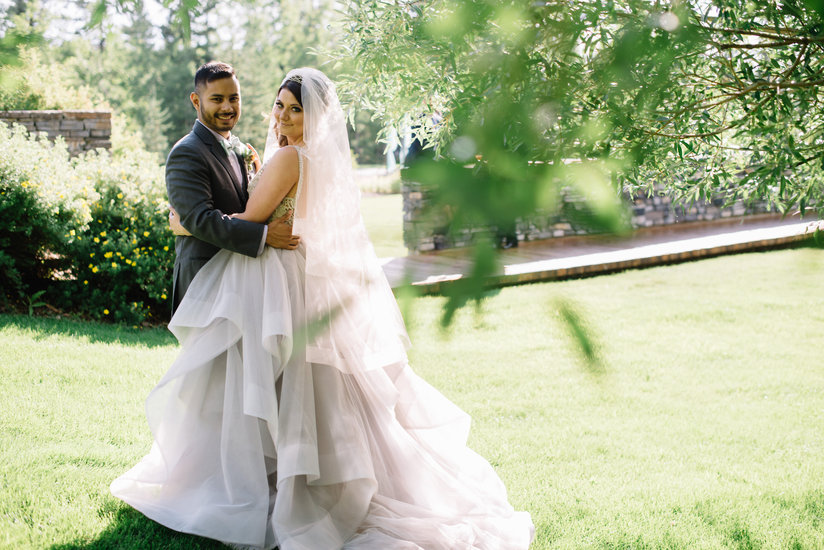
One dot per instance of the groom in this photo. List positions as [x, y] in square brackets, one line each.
[206, 181]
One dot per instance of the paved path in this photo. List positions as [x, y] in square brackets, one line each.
[567, 257]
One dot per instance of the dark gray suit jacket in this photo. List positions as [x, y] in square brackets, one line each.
[204, 190]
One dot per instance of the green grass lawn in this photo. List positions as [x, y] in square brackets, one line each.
[373, 178]
[703, 429]
[383, 216]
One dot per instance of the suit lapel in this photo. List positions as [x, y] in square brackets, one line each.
[220, 154]
[245, 175]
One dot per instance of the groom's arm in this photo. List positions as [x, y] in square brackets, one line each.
[190, 193]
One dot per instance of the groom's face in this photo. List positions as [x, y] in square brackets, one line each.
[218, 104]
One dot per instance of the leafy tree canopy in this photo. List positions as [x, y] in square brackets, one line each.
[722, 97]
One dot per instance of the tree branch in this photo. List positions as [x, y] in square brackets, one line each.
[659, 133]
[762, 34]
[762, 45]
[797, 61]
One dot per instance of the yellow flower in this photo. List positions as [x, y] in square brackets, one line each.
[94, 269]
[107, 255]
[120, 195]
[166, 248]
[114, 264]
[102, 233]
[71, 232]
[105, 312]
[85, 282]
[91, 255]
[162, 296]
[96, 240]
[134, 241]
[145, 233]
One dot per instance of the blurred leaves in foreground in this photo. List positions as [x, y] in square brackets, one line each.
[581, 336]
[524, 102]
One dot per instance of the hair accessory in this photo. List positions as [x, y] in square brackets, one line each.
[295, 78]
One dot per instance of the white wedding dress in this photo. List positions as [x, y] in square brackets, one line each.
[258, 446]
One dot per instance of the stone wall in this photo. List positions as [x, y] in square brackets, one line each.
[81, 130]
[425, 230]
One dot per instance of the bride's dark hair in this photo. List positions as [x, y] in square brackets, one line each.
[294, 87]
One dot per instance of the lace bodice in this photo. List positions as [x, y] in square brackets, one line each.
[288, 202]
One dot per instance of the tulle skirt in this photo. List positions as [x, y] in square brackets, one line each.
[257, 447]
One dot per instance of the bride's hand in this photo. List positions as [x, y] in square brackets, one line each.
[174, 223]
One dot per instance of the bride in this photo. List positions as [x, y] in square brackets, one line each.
[291, 417]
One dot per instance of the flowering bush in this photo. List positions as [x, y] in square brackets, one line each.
[93, 230]
[123, 259]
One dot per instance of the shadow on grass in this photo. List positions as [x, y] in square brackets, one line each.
[89, 330]
[131, 530]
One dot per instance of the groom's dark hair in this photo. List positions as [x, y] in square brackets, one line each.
[213, 70]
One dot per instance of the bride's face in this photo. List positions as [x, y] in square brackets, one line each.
[289, 116]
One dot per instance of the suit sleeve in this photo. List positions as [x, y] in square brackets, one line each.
[190, 193]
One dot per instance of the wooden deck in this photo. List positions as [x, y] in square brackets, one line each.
[568, 257]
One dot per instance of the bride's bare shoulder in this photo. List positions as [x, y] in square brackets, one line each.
[286, 154]
[284, 159]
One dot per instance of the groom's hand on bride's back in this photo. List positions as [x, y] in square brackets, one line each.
[279, 233]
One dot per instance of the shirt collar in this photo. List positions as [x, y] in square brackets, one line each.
[213, 132]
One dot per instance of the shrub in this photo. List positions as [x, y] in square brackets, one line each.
[123, 259]
[39, 198]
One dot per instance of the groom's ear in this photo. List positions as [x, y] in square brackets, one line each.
[195, 99]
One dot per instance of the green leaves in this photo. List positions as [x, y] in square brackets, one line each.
[98, 13]
[581, 336]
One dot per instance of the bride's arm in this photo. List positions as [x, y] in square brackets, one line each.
[276, 179]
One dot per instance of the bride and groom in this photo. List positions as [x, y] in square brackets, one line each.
[291, 417]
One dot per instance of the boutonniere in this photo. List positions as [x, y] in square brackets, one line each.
[252, 160]
[245, 151]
